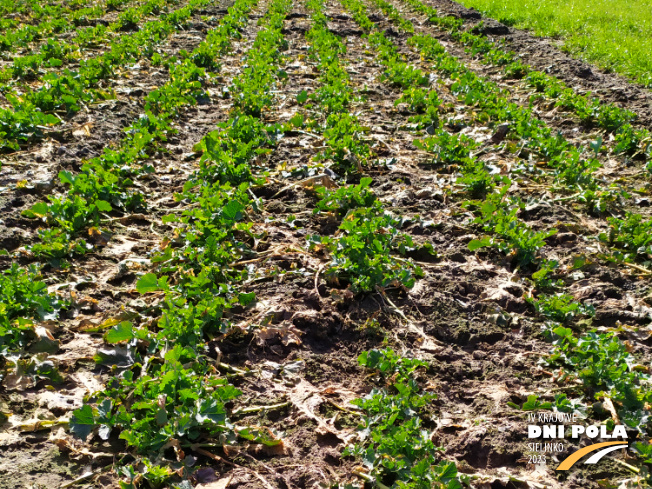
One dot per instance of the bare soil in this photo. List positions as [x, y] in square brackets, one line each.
[485, 340]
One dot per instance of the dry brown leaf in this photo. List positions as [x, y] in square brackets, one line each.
[288, 334]
[279, 450]
[83, 131]
[64, 444]
[609, 406]
[98, 237]
[306, 398]
[178, 451]
[17, 382]
[208, 454]
[322, 180]
[231, 450]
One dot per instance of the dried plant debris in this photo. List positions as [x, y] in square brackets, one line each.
[342, 244]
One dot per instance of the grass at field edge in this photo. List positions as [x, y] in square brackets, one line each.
[614, 34]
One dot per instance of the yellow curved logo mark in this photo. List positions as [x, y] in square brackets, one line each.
[574, 457]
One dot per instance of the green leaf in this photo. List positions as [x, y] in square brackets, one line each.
[302, 96]
[563, 332]
[147, 283]
[448, 471]
[533, 403]
[82, 422]
[103, 206]
[121, 332]
[118, 355]
[104, 410]
[371, 359]
[212, 142]
[365, 182]
[50, 119]
[233, 210]
[479, 243]
[362, 359]
[170, 218]
[211, 410]
[297, 120]
[161, 417]
[228, 392]
[488, 208]
[246, 299]
[596, 145]
[66, 177]
[37, 210]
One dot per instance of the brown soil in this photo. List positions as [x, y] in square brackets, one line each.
[545, 54]
[485, 340]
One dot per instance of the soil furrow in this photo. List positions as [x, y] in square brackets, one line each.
[545, 55]
[293, 351]
[85, 136]
[102, 285]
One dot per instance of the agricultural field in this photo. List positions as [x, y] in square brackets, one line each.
[617, 36]
[317, 244]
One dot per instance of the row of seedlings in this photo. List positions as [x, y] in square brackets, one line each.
[573, 167]
[635, 142]
[16, 35]
[25, 18]
[365, 256]
[600, 360]
[53, 54]
[174, 397]
[573, 172]
[34, 110]
[574, 176]
[104, 185]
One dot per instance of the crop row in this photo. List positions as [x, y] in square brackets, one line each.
[365, 256]
[56, 53]
[105, 182]
[491, 215]
[589, 110]
[361, 253]
[186, 408]
[106, 177]
[573, 167]
[601, 361]
[572, 172]
[24, 346]
[497, 213]
[168, 393]
[52, 20]
[628, 140]
[397, 441]
[25, 13]
[67, 92]
[17, 35]
[198, 299]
